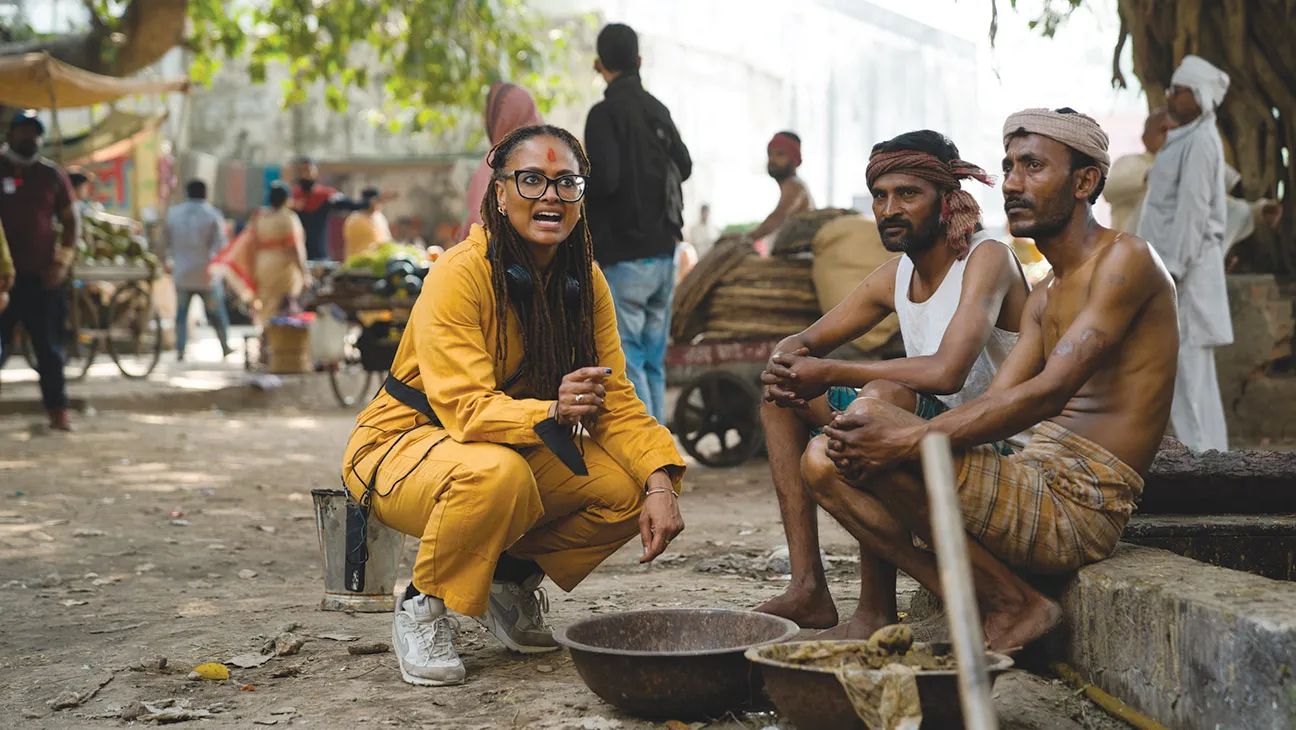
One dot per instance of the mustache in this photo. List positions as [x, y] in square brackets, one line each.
[894, 223]
[1014, 203]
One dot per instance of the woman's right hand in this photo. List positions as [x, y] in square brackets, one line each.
[580, 396]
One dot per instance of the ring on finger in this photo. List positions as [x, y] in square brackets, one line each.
[580, 397]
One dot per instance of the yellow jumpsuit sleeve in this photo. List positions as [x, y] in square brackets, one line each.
[6, 261]
[635, 439]
[457, 370]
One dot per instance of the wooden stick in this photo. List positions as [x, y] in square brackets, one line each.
[956, 583]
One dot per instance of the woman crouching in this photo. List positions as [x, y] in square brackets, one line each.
[511, 348]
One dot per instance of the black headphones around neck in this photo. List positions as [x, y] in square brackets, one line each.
[521, 290]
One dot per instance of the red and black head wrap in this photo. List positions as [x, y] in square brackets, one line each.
[960, 213]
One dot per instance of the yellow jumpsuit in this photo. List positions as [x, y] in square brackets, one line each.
[482, 483]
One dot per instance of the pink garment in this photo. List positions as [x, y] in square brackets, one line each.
[508, 107]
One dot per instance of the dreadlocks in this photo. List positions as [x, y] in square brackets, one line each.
[555, 341]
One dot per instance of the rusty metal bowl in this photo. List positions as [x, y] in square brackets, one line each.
[677, 663]
[811, 697]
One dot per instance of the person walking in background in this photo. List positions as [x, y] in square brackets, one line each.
[279, 264]
[195, 233]
[367, 227]
[703, 234]
[636, 208]
[314, 203]
[33, 192]
[1184, 218]
[508, 107]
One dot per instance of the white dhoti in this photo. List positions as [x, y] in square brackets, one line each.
[1197, 412]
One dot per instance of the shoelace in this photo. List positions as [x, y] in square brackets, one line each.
[437, 637]
[537, 604]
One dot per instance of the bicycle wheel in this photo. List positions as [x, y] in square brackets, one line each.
[133, 331]
[79, 334]
[81, 343]
[349, 379]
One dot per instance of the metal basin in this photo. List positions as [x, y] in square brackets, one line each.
[813, 699]
[682, 663]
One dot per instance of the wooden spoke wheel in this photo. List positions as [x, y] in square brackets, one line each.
[717, 419]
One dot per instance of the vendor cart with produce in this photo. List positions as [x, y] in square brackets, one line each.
[735, 306]
[360, 314]
[111, 284]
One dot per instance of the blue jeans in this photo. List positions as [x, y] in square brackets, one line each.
[641, 290]
[214, 302]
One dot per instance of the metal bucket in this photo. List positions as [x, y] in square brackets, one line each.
[380, 572]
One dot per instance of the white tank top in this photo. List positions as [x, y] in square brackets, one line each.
[922, 325]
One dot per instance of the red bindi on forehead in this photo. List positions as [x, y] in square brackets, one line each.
[553, 156]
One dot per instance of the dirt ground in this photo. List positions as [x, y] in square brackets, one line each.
[191, 537]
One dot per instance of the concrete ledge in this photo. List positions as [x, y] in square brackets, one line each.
[1193, 645]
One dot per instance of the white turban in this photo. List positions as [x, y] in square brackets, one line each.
[1208, 83]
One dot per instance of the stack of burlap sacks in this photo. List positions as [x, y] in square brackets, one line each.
[816, 260]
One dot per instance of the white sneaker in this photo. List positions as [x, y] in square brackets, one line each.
[423, 639]
[515, 615]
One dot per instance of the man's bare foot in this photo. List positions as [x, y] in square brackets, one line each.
[1009, 631]
[856, 627]
[810, 609]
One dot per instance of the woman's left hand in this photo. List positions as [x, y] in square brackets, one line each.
[660, 521]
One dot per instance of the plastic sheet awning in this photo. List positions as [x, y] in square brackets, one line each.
[38, 81]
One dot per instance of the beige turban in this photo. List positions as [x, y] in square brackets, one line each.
[1073, 129]
[1208, 84]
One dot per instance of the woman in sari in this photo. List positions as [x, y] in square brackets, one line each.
[511, 349]
[278, 247]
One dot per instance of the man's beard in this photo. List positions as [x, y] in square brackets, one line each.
[780, 173]
[911, 242]
[23, 153]
[306, 184]
[1049, 220]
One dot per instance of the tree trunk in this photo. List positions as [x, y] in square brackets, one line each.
[1251, 40]
[148, 29]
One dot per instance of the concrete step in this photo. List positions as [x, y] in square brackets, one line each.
[1195, 646]
[1260, 544]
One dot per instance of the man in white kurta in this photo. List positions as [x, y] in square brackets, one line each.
[1184, 218]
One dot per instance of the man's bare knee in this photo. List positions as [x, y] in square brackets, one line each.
[889, 391]
[816, 466]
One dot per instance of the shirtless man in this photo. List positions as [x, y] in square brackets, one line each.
[784, 152]
[959, 296]
[1094, 368]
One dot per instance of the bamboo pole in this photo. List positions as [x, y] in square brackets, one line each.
[956, 583]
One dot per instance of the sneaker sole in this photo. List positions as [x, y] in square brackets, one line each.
[420, 681]
[502, 636]
[423, 682]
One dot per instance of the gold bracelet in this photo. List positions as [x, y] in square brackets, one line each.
[661, 490]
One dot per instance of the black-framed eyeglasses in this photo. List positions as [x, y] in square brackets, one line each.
[533, 185]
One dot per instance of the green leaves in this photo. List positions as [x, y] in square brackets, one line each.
[439, 56]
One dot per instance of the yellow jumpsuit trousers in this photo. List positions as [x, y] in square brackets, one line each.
[482, 483]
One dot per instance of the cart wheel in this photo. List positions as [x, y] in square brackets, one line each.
[134, 331]
[349, 378]
[717, 418]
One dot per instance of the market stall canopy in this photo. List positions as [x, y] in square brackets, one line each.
[38, 81]
[113, 136]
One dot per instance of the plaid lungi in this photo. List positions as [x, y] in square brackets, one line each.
[1060, 503]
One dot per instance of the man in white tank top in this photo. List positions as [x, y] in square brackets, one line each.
[959, 296]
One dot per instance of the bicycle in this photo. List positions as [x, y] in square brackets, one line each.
[124, 323]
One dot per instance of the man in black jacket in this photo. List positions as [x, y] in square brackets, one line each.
[635, 208]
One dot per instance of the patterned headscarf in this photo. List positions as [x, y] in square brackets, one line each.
[960, 213]
[1075, 130]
